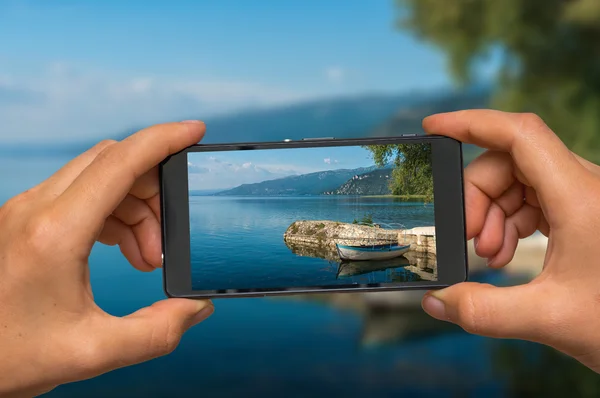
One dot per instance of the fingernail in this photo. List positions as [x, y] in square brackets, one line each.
[476, 242]
[489, 261]
[435, 307]
[203, 314]
[193, 121]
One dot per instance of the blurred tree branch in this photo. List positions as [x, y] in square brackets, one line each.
[550, 56]
[412, 174]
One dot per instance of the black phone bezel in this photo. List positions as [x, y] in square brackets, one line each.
[451, 242]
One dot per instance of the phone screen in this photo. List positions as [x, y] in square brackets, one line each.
[307, 217]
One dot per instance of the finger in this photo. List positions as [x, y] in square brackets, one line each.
[98, 190]
[115, 232]
[512, 199]
[545, 161]
[492, 172]
[508, 312]
[543, 226]
[151, 332]
[531, 197]
[154, 203]
[491, 237]
[492, 234]
[477, 205]
[136, 214]
[59, 181]
[594, 168]
[486, 178]
[147, 186]
[518, 226]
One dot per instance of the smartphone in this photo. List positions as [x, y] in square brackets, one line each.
[315, 215]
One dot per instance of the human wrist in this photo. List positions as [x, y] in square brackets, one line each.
[22, 376]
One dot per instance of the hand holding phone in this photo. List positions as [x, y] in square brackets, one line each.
[314, 215]
[51, 329]
[528, 180]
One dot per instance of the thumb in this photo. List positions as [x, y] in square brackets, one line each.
[153, 331]
[507, 312]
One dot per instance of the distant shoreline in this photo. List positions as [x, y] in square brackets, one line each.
[420, 198]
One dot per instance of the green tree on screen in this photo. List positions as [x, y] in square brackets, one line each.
[550, 56]
[412, 173]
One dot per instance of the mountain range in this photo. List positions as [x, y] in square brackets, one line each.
[306, 184]
[360, 181]
[376, 182]
[354, 117]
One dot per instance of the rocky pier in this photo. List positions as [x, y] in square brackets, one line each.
[325, 234]
[318, 239]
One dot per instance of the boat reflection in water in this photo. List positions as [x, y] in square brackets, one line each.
[403, 269]
[353, 268]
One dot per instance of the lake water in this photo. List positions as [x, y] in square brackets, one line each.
[237, 242]
[289, 348]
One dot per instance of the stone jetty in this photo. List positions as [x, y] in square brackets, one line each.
[318, 239]
[325, 234]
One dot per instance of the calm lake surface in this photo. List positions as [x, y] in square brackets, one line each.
[237, 242]
[288, 348]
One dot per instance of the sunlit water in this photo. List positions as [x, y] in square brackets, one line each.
[237, 242]
[288, 348]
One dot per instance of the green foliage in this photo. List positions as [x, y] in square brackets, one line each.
[412, 174]
[549, 50]
[366, 220]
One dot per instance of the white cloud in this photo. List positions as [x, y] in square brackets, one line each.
[335, 74]
[196, 169]
[216, 173]
[65, 103]
[141, 85]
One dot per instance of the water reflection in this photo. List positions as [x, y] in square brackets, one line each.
[394, 320]
[351, 268]
[324, 251]
[548, 373]
[411, 267]
[382, 327]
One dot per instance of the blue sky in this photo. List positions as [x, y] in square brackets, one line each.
[87, 69]
[221, 170]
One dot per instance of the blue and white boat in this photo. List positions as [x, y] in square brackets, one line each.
[371, 252]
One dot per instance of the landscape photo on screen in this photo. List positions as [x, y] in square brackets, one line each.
[312, 217]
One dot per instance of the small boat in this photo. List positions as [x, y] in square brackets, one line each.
[371, 252]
